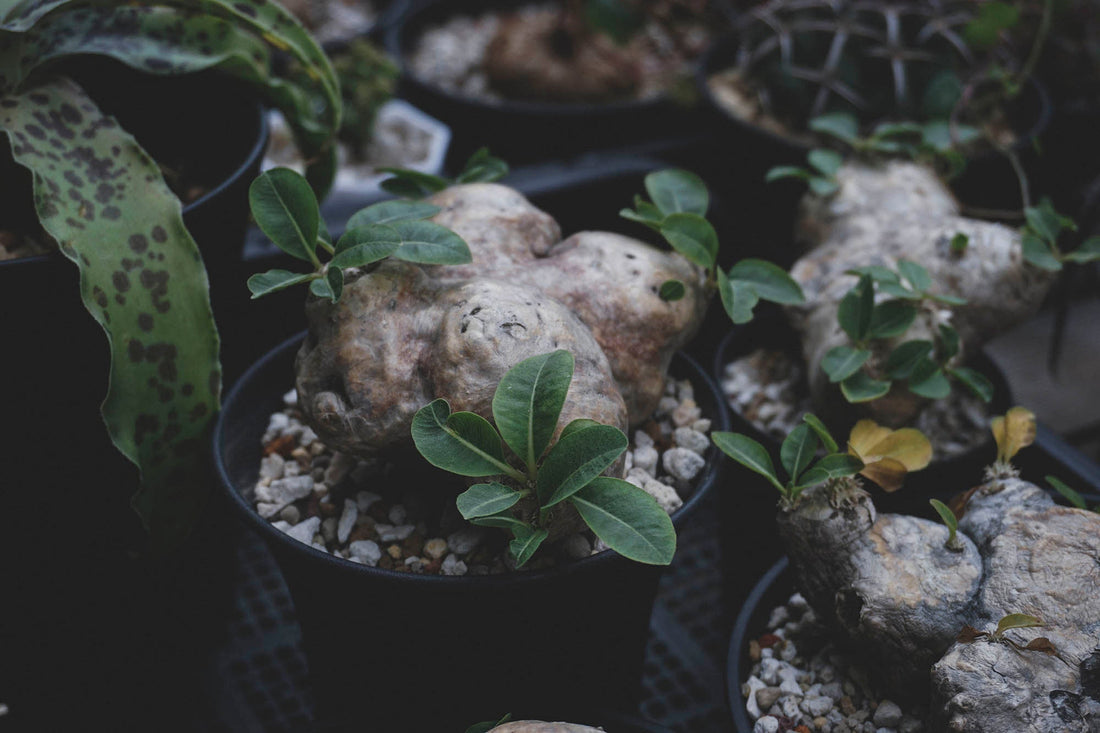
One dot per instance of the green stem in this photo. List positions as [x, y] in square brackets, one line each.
[326, 246]
[1040, 41]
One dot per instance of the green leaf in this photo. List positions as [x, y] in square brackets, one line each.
[646, 214]
[892, 318]
[389, 211]
[856, 308]
[526, 543]
[263, 283]
[862, 388]
[939, 137]
[1089, 251]
[748, 453]
[428, 243]
[628, 520]
[692, 236]
[840, 125]
[1071, 496]
[823, 186]
[462, 443]
[412, 184]
[974, 381]
[928, 380]
[946, 299]
[286, 210]
[984, 29]
[827, 162]
[787, 171]
[959, 243]
[503, 520]
[1038, 253]
[1017, 621]
[896, 129]
[941, 94]
[904, 358]
[366, 244]
[798, 450]
[1046, 222]
[841, 362]
[881, 275]
[678, 191]
[330, 286]
[834, 465]
[822, 432]
[142, 280]
[528, 401]
[738, 298]
[482, 168]
[916, 275]
[671, 291]
[614, 19]
[949, 342]
[768, 280]
[579, 424]
[483, 500]
[576, 459]
[947, 516]
[487, 726]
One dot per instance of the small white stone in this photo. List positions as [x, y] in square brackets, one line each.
[390, 533]
[435, 548]
[682, 463]
[339, 468]
[685, 390]
[453, 566]
[290, 514]
[888, 714]
[691, 439]
[788, 652]
[304, 530]
[464, 540]
[790, 687]
[285, 490]
[267, 509]
[347, 520]
[307, 436]
[767, 724]
[272, 466]
[366, 552]
[281, 525]
[748, 691]
[642, 439]
[628, 461]
[667, 405]
[789, 706]
[291, 469]
[364, 499]
[701, 425]
[666, 496]
[276, 426]
[638, 477]
[290, 399]
[686, 413]
[769, 672]
[815, 707]
[646, 459]
[398, 514]
[779, 616]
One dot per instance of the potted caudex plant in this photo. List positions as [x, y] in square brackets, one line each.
[430, 319]
[73, 176]
[986, 622]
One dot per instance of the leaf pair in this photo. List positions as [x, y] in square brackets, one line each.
[286, 210]
[1040, 239]
[888, 455]
[480, 168]
[797, 453]
[968, 635]
[1015, 430]
[526, 407]
[821, 176]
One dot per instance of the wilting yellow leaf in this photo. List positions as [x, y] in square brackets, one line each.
[864, 436]
[888, 455]
[886, 472]
[1012, 432]
[908, 446]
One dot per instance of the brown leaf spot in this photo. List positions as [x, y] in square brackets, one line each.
[120, 280]
[198, 412]
[138, 243]
[159, 235]
[144, 425]
[145, 322]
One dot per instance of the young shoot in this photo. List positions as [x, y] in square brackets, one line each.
[480, 168]
[525, 491]
[923, 364]
[1040, 239]
[676, 209]
[1070, 495]
[969, 635]
[1013, 431]
[951, 522]
[286, 210]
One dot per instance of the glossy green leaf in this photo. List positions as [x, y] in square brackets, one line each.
[462, 442]
[787, 171]
[645, 214]
[285, 208]
[428, 243]
[627, 519]
[949, 342]
[1074, 498]
[822, 432]
[878, 273]
[671, 291]
[834, 465]
[1038, 253]
[929, 381]
[841, 362]
[1044, 221]
[1089, 251]
[677, 191]
[959, 243]
[897, 129]
[827, 162]
[482, 168]
[576, 459]
[948, 517]
[974, 381]
[769, 281]
[579, 424]
[840, 125]
[330, 286]
[797, 450]
[738, 298]
[892, 318]
[366, 244]
[389, 211]
[915, 274]
[412, 184]
[748, 453]
[483, 500]
[526, 543]
[528, 401]
[263, 283]
[692, 236]
[861, 387]
[903, 359]
[856, 308]
[503, 520]
[823, 186]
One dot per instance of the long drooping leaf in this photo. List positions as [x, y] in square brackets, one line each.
[141, 277]
[528, 401]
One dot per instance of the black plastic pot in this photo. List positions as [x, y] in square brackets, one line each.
[523, 131]
[435, 652]
[757, 498]
[989, 181]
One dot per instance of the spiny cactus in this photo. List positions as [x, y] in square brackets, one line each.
[876, 59]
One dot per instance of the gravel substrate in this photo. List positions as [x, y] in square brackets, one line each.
[768, 388]
[362, 511]
[801, 682]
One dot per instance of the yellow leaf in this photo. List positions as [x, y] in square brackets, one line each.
[864, 436]
[998, 428]
[1017, 621]
[908, 446]
[886, 472]
[1019, 430]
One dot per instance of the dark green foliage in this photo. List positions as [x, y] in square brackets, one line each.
[1041, 234]
[367, 81]
[480, 168]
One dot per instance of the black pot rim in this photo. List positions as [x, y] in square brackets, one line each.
[722, 47]
[741, 631]
[398, 42]
[710, 476]
[255, 153]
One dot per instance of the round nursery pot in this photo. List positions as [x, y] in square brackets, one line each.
[989, 181]
[757, 498]
[520, 131]
[433, 652]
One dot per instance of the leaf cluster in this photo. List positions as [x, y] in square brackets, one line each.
[1073, 497]
[797, 455]
[286, 210]
[924, 365]
[526, 407]
[969, 634]
[676, 209]
[1040, 239]
[367, 81]
[936, 140]
[481, 167]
